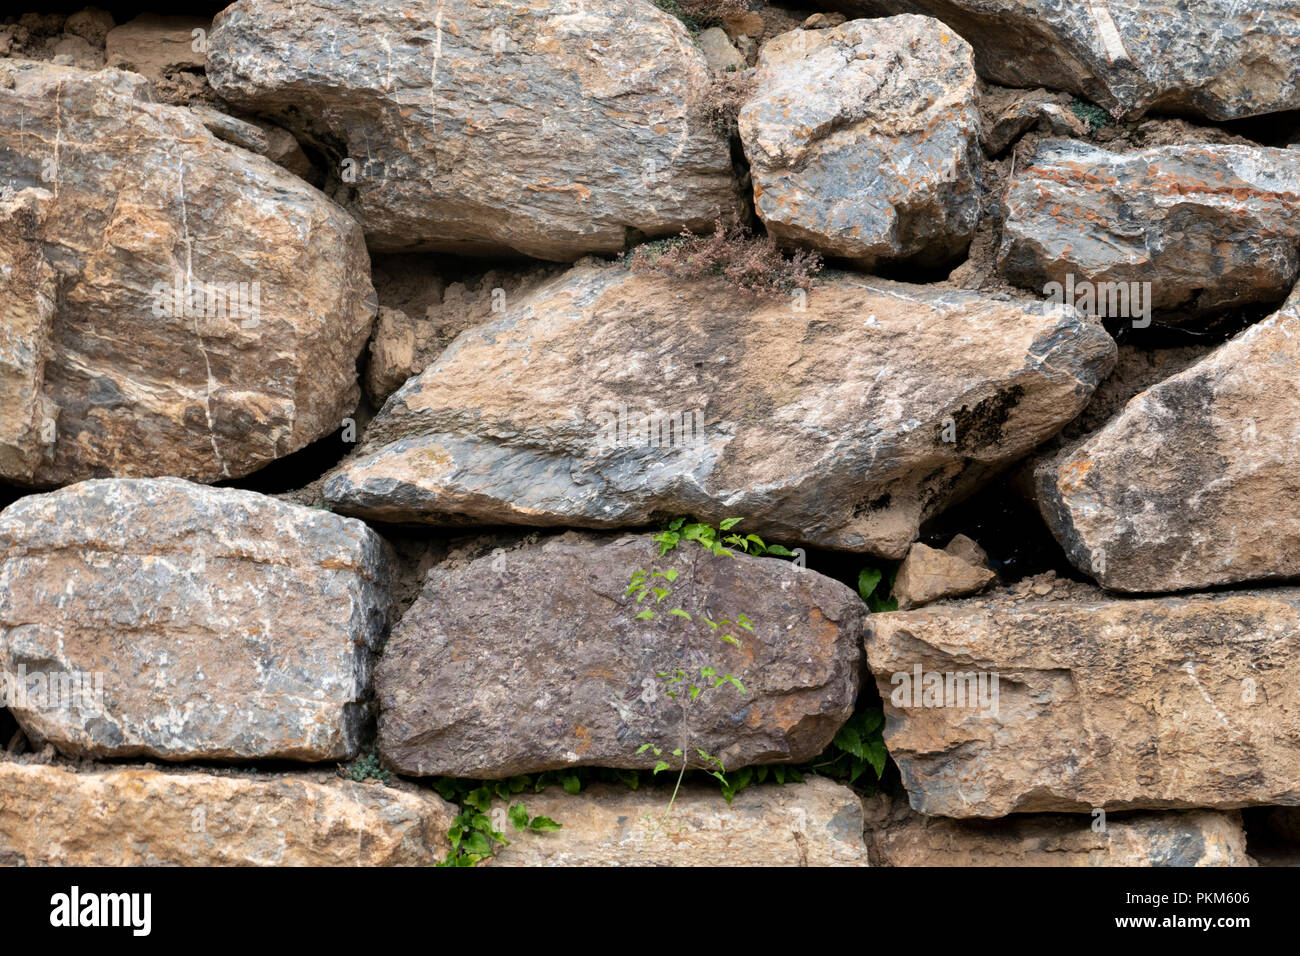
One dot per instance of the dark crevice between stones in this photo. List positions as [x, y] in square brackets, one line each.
[1203, 330]
[12, 739]
[1273, 835]
[1009, 528]
[295, 471]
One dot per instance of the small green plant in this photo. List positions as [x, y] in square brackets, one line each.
[474, 834]
[1096, 117]
[870, 591]
[717, 540]
[687, 686]
[365, 768]
[858, 746]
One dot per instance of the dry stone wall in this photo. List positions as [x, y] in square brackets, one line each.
[616, 432]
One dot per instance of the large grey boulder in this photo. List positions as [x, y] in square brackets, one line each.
[159, 618]
[1184, 230]
[863, 140]
[607, 398]
[551, 129]
[539, 659]
[1004, 705]
[1220, 59]
[1195, 482]
[173, 304]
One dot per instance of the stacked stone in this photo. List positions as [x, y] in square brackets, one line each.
[189, 211]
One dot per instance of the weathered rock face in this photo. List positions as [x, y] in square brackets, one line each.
[928, 574]
[27, 295]
[816, 823]
[406, 342]
[1220, 59]
[1194, 483]
[154, 45]
[1006, 115]
[535, 659]
[139, 817]
[549, 129]
[900, 837]
[1116, 704]
[608, 397]
[1136, 369]
[183, 307]
[1209, 227]
[162, 618]
[863, 140]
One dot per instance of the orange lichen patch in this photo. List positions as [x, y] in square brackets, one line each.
[1072, 475]
[584, 739]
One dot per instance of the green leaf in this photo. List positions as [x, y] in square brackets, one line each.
[878, 606]
[544, 824]
[678, 612]
[518, 816]
[571, 784]
[726, 524]
[646, 615]
[477, 843]
[868, 579]
[660, 766]
[676, 524]
[730, 640]
[671, 575]
[850, 741]
[480, 799]
[643, 748]
[780, 551]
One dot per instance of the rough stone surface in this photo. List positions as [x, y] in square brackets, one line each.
[91, 24]
[928, 574]
[863, 140]
[1137, 369]
[154, 45]
[899, 836]
[120, 203]
[405, 343]
[843, 425]
[1221, 59]
[27, 292]
[224, 624]
[140, 817]
[1005, 115]
[815, 823]
[534, 660]
[718, 50]
[1194, 483]
[1210, 227]
[1170, 703]
[544, 128]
